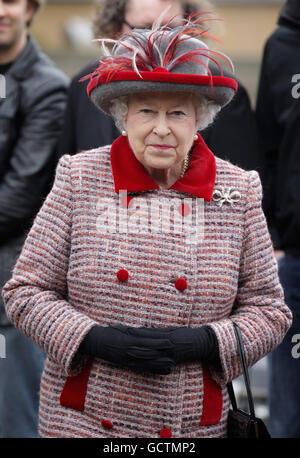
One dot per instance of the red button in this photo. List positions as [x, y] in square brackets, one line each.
[122, 275]
[107, 424]
[180, 284]
[165, 433]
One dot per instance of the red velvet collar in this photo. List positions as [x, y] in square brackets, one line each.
[129, 174]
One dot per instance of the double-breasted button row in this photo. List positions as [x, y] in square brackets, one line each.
[180, 283]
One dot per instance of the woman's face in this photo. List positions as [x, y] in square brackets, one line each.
[161, 128]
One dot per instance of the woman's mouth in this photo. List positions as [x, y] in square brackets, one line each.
[162, 146]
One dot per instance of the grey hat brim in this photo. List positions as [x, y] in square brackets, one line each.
[103, 94]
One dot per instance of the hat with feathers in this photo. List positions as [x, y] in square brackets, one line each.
[161, 59]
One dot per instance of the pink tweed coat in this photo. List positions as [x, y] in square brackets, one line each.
[197, 253]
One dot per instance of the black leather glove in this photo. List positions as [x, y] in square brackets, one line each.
[116, 345]
[188, 344]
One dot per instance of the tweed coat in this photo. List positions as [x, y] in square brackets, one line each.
[215, 268]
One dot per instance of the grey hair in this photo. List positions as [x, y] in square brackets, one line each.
[119, 110]
[206, 111]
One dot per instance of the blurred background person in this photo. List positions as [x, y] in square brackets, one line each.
[31, 115]
[278, 116]
[232, 137]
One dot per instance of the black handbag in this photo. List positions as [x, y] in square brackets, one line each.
[241, 424]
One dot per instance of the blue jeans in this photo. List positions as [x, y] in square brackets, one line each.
[20, 373]
[21, 368]
[284, 365]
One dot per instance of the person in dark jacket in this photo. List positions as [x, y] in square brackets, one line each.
[32, 104]
[278, 116]
[86, 127]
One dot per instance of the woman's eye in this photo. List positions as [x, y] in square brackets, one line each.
[178, 113]
[146, 110]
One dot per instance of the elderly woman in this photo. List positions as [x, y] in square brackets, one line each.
[144, 254]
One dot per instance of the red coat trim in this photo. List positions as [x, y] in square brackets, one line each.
[130, 175]
[74, 390]
[212, 401]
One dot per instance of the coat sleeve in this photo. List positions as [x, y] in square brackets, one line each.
[36, 296]
[259, 309]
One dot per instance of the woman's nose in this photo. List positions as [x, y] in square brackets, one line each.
[161, 127]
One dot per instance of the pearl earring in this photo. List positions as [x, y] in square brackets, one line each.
[124, 133]
[195, 137]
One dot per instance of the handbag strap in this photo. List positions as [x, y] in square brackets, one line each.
[245, 374]
[232, 396]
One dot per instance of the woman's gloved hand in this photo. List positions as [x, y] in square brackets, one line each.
[187, 344]
[116, 345]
